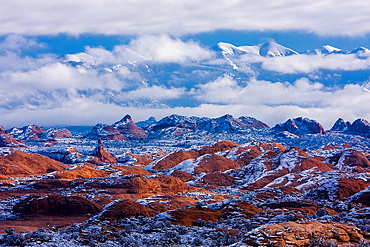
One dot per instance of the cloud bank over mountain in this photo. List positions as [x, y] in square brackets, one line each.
[41, 17]
[160, 75]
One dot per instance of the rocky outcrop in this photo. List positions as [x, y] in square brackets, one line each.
[99, 155]
[82, 171]
[184, 176]
[358, 127]
[362, 197]
[350, 160]
[56, 205]
[6, 140]
[340, 125]
[67, 155]
[337, 186]
[28, 133]
[125, 129]
[178, 125]
[56, 133]
[128, 128]
[176, 158]
[300, 126]
[121, 209]
[21, 164]
[221, 146]
[137, 187]
[218, 179]
[191, 216]
[214, 163]
[300, 234]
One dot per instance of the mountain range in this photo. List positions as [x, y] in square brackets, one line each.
[183, 127]
[242, 63]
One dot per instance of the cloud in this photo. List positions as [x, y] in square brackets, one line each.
[158, 92]
[311, 63]
[155, 48]
[42, 17]
[17, 43]
[103, 85]
[276, 101]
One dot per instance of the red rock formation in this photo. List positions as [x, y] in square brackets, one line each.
[248, 209]
[20, 164]
[184, 176]
[56, 205]
[189, 216]
[350, 158]
[300, 233]
[246, 154]
[131, 170]
[28, 133]
[215, 163]
[137, 187]
[7, 140]
[82, 171]
[300, 126]
[217, 147]
[125, 209]
[348, 187]
[128, 128]
[56, 133]
[101, 156]
[174, 159]
[292, 161]
[125, 129]
[217, 179]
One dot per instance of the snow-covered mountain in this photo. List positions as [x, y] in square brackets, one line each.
[268, 49]
[325, 50]
[146, 82]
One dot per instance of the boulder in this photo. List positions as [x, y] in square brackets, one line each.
[300, 234]
[56, 205]
[121, 209]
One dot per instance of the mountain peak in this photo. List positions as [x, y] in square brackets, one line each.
[273, 49]
[300, 126]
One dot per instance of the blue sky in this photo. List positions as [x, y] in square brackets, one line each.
[83, 62]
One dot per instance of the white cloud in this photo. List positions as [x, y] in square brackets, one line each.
[156, 48]
[16, 43]
[326, 17]
[158, 92]
[274, 102]
[312, 63]
[48, 91]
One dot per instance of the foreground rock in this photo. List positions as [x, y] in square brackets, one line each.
[121, 209]
[56, 204]
[21, 164]
[300, 234]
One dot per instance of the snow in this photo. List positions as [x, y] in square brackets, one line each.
[330, 49]
[186, 166]
[5, 151]
[272, 49]
[288, 160]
